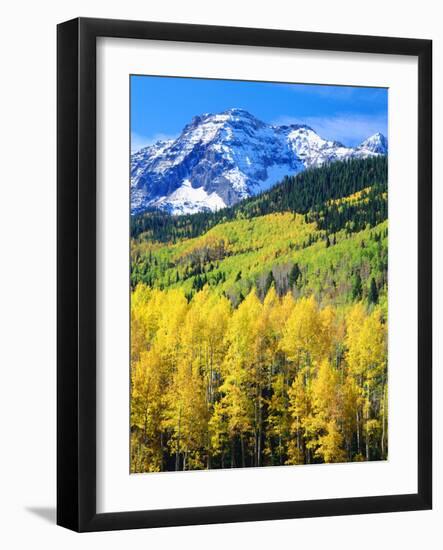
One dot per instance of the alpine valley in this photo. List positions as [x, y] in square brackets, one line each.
[220, 159]
[259, 285]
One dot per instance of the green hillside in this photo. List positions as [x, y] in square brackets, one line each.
[337, 249]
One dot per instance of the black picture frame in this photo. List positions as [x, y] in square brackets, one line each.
[76, 281]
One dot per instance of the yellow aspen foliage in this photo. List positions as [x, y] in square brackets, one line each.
[367, 360]
[146, 413]
[217, 315]
[218, 430]
[303, 335]
[278, 420]
[330, 332]
[171, 317]
[140, 320]
[186, 418]
[299, 409]
[326, 394]
[285, 381]
[352, 401]
[330, 445]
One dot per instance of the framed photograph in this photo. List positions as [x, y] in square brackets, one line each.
[244, 274]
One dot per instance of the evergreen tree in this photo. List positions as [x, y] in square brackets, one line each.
[357, 290]
[373, 292]
[294, 275]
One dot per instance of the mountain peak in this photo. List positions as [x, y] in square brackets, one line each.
[377, 143]
[234, 116]
[237, 111]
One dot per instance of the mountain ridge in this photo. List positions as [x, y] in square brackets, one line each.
[220, 159]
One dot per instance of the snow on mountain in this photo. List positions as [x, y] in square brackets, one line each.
[220, 159]
[188, 200]
[377, 144]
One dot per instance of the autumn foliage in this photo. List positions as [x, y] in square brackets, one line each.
[277, 380]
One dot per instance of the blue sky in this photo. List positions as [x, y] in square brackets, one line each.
[162, 106]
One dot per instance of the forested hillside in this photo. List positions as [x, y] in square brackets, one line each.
[308, 191]
[258, 333]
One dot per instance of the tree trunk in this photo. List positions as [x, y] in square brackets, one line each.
[243, 463]
[367, 430]
[177, 452]
[255, 434]
[260, 420]
[208, 446]
[382, 444]
[161, 451]
[298, 435]
[367, 445]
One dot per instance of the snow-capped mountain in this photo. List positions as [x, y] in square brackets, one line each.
[220, 159]
[376, 144]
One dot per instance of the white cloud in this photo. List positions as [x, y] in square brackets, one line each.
[348, 129]
[138, 141]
